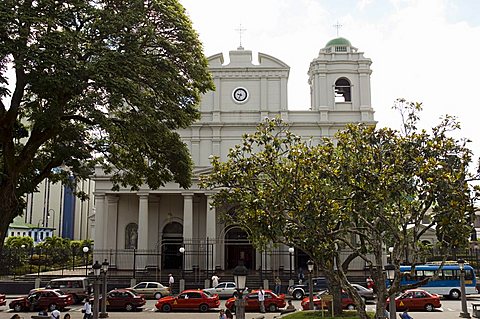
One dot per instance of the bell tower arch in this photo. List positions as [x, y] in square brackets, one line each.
[339, 79]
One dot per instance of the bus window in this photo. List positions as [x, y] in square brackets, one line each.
[469, 275]
[448, 274]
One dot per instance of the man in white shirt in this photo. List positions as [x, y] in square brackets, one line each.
[215, 280]
[171, 281]
[261, 299]
[55, 314]
[87, 310]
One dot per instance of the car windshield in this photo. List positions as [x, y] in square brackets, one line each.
[134, 293]
[208, 293]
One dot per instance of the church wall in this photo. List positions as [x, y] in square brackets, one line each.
[273, 95]
[154, 222]
[127, 213]
[171, 209]
[226, 101]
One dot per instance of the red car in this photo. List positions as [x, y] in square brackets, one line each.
[417, 299]
[41, 300]
[189, 300]
[347, 302]
[3, 300]
[123, 299]
[272, 301]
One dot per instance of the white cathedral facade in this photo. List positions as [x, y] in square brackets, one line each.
[146, 228]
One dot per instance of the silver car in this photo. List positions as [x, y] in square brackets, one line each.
[223, 289]
[365, 293]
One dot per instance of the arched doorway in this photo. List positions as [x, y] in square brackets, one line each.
[172, 240]
[237, 246]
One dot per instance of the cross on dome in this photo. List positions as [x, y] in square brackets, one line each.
[240, 30]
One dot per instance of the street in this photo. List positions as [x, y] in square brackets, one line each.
[450, 309]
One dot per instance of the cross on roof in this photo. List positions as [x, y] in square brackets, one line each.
[240, 30]
[338, 26]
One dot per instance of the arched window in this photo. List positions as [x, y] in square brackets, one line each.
[131, 236]
[342, 90]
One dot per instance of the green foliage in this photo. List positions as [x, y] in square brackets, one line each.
[375, 186]
[95, 82]
[16, 242]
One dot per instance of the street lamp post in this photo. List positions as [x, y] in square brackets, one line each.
[310, 265]
[182, 281]
[291, 250]
[104, 313]
[240, 275]
[390, 272]
[50, 215]
[464, 313]
[85, 252]
[96, 272]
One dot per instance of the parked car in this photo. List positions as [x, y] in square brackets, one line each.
[299, 291]
[42, 299]
[224, 289]
[189, 300]
[272, 301]
[78, 287]
[123, 299]
[366, 293]
[347, 302]
[151, 289]
[3, 300]
[417, 299]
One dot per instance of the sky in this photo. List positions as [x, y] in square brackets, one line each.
[422, 50]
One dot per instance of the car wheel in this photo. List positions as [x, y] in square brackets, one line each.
[18, 307]
[166, 308]
[157, 295]
[52, 307]
[429, 307]
[351, 307]
[454, 294]
[297, 294]
[203, 308]
[272, 307]
[129, 307]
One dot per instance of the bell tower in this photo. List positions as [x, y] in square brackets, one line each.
[339, 80]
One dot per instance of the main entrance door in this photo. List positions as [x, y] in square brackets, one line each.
[172, 240]
[238, 247]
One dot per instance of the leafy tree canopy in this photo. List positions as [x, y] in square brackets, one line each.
[95, 82]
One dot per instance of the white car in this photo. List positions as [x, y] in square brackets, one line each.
[223, 289]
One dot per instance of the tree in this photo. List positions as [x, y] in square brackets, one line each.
[372, 184]
[95, 83]
[274, 185]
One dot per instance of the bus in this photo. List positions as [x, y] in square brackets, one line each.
[448, 281]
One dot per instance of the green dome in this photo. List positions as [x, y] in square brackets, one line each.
[338, 41]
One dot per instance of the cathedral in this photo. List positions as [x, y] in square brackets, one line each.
[174, 228]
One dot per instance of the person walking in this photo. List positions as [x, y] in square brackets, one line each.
[228, 314]
[278, 285]
[405, 315]
[87, 309]
[171, 281]
[215, 280]
[222, 314]
[261, 299]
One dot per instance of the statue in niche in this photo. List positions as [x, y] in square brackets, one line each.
[131, 236]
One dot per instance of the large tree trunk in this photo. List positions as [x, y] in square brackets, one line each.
[9, 206]
[335, 290]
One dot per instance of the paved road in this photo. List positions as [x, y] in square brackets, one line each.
[450, 310]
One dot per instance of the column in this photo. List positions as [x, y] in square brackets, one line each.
[142, 221]
[188, 228]
[111, 227]
[99, 216]
[211, 231]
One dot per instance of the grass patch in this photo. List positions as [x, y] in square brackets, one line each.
[346, 314]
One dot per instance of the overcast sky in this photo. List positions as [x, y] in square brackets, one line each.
[422, 50]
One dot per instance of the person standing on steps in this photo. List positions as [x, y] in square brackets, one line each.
[171, 281]
[215, 280]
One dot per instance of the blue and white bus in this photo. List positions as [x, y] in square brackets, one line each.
[448, 281]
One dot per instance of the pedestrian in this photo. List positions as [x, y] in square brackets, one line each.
[16, 316]
[261, 299]
[67, 316]
[278, 285]
[87, 309]
[301, 276]
[370, 282]
[222, 314]
[55, 314]
[215, 280]
[405, 315]
[43, 312]
[228, 314]
[171, 281]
